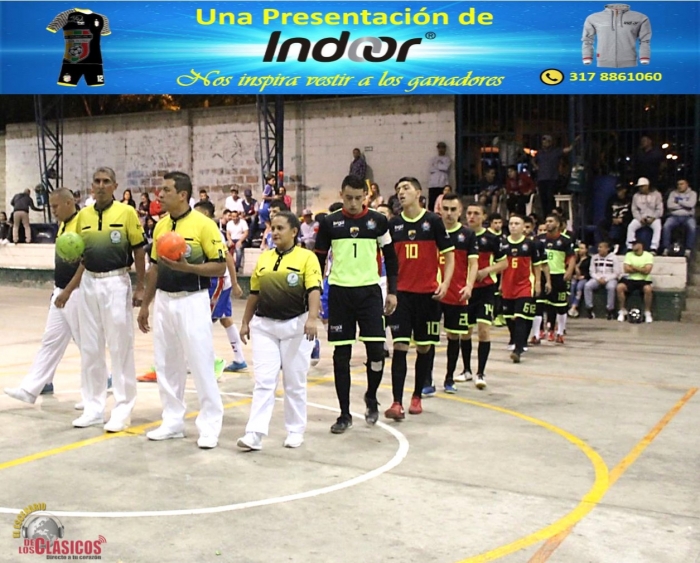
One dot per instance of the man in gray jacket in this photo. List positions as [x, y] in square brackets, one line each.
[647, 210]
[617, 29]
[681, 208]
[605, 270]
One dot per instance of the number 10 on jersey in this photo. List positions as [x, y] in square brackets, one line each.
[411, 251]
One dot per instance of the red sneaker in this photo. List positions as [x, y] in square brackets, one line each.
[542, 334]
[150, 376]
[395, 411]
[534, 341]
[550, 336]
[416, 407]
[560, 339]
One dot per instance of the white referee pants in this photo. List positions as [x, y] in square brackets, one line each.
[279, 345]
[182, 338]
[106, 317]
[61, 326]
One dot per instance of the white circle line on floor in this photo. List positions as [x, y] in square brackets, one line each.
[399, 456]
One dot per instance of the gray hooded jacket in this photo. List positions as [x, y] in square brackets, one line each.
[617, 29]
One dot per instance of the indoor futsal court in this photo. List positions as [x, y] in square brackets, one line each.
[587, 452]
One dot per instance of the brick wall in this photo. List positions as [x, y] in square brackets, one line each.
[219, 146]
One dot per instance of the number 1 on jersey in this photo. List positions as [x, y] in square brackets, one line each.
[411, 251]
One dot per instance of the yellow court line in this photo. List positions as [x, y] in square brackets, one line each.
[545, 552]
[131, 431]
[587, 503]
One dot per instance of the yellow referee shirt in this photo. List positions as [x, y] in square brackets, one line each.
[283, 281]
[110, 236]
[203, 245]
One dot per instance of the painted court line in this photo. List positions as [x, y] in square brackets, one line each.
[550, 546]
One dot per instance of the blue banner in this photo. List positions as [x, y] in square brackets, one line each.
[350, 47]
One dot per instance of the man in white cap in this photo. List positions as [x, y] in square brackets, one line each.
[647, 210]
[309, 229]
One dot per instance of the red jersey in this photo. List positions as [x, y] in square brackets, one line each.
[490, 252]
[464, 241]
[519, 277]
[418, 242]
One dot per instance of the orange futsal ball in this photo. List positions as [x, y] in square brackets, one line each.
[171, 245]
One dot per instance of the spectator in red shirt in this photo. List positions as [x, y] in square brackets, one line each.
[519, 188]
[155, 209]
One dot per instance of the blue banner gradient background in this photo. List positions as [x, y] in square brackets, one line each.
[152, 43]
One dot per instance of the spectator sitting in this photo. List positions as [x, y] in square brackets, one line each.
[128, 199]
[21, 203]
[223, 221]
[234, 202]
[604, 272]
[581, 276]
[489, 190]
[203, 195]
[155, 209]
[438, 202]
[358, 166]
[236, 234]
[374, 199]
[618, 215]
[394, 203]
[309, 229]
[149, 226]
[144, 208]
[286, 199]
[275, 207]
[647, 210]
[637, 267]
[519, 188]
[681, 207]
[5, 228]
[76, 199]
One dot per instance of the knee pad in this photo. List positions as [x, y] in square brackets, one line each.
[375, 355]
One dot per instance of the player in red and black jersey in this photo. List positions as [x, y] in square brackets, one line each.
[454, 305]
[520, 283]
[491, 263]
[419, 238]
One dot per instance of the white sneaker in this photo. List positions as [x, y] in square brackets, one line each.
[251, 441]
[116, 425]
[464, 376]
[21, 395]
[79, 406]
[88, 420]
[480, 382]
[647, 317]
[622, 315]
[208, 442]
[162, 433]
[293, 440]
[510, 347]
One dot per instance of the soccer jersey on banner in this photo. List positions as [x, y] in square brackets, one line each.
[464, 242]
[418, 242]
[82, 30]
[490, 252]
[518, 278]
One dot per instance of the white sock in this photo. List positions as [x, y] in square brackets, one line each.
[536, 326]
[561, 324]
[236, 344]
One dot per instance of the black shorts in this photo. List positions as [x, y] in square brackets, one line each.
[350, 306]
[455, 318]
[480, 306]
[71, 74]
[523, 307]
[416, 314]
[634, 285]
[559, 296]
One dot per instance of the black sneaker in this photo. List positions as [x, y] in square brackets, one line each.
[341, 425]
[590, 313]
[515, 356]
[48, 389]
[611, 315]
[372, 411]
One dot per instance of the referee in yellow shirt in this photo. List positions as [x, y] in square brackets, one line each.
[182, 334]
[280, 318]
[114, 241]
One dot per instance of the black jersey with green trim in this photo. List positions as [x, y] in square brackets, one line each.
[354, 240]
[82, 30]
[490, 252]
[464, 241]
[558, 251]
[418, 242]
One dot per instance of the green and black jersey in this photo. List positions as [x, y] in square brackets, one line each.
[110, 235]
[355, 241]
[559, 251]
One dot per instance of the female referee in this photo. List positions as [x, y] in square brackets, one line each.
[280, 319]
